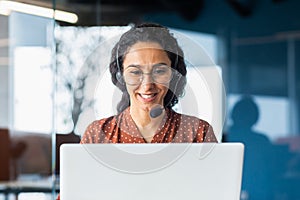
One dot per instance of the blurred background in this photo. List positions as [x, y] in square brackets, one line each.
[47, 64]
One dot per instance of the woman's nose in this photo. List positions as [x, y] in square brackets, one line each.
[147, 82]
[147, 78]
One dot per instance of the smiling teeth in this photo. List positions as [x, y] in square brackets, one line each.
[147, 96]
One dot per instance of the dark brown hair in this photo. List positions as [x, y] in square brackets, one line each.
[149, 32]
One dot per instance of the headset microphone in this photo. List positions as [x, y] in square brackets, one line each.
[156, 111]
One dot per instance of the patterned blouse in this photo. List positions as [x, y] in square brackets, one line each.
[175, 128]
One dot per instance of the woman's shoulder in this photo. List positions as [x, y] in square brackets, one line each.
[187, 118]
[96, 132]
[102, 121]
[99, 125]
[109, 120]
[203, 130]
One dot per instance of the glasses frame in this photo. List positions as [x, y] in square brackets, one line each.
[173, 72]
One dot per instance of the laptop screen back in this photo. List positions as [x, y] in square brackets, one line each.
[151, 171]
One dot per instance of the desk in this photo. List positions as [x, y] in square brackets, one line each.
[20, 186]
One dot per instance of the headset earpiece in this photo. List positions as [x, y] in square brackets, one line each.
[120, 77]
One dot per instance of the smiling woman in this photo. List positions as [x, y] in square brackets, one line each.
[148, 66]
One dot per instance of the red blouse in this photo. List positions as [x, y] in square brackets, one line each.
[175, 128]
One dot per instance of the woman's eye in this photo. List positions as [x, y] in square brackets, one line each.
[136, 72]
[160, 71]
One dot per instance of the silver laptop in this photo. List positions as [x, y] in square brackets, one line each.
[151, 171]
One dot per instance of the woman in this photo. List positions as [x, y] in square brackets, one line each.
[148, 66]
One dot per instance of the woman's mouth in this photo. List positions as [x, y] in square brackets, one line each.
[147, 97]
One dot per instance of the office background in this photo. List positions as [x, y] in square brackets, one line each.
[256, 44]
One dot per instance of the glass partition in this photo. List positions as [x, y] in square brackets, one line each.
[263, 109]
[27, 99]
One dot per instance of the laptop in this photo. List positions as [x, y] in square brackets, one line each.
[175, 171]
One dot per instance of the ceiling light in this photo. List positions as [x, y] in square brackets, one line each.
[6, 7]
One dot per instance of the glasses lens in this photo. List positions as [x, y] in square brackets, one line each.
[162, 74]
[133, 76]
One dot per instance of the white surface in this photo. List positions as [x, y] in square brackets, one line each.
[159, 171]
[204, 96]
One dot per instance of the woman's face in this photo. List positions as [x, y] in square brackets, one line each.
[147, 72]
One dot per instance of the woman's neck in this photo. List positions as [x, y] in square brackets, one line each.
[147, 126]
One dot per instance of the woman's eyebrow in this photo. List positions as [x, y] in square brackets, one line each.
[133, 65]
[159, 64]
[140, 66]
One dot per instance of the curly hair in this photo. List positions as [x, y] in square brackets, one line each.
[149, 32]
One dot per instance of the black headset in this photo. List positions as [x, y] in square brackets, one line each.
[119, 73]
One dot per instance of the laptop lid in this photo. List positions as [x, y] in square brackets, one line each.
[151, 171]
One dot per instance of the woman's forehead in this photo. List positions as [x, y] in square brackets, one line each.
[146, 53]
[139, 46]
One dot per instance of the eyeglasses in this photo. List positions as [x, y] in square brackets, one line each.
[161, 74]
